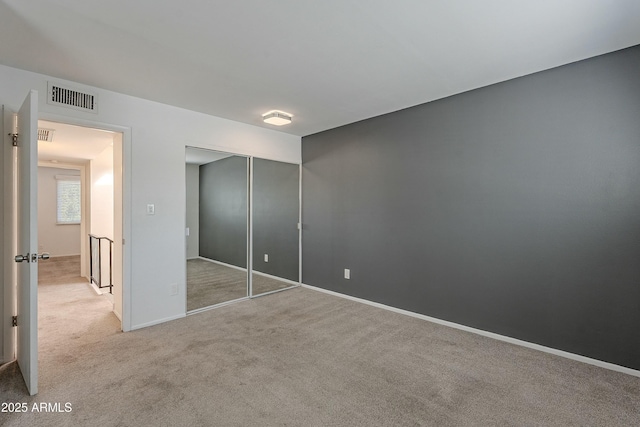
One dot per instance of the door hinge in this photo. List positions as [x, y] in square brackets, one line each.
[14, 139]
[14, 320]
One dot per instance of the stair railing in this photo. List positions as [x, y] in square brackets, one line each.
[95, 261]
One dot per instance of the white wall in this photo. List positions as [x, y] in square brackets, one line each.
[193, 211]
[56, 239]
[154, 148]
[101, 206]
[101, 170]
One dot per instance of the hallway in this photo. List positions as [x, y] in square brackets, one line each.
[69, 310]
[71, 318]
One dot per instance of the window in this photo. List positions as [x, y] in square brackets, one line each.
[68, 199]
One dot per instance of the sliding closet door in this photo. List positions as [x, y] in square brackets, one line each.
[217, 222]
[275, 217]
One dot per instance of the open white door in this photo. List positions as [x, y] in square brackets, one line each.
[27, 242]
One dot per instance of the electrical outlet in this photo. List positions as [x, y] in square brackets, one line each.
[347, 273]
[266, 257]
[174, 289]
[151, 209]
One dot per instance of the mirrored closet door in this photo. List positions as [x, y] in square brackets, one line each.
[240, 209]
[217, 223]
[275, 214]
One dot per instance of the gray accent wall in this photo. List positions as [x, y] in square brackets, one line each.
[223, 211]
[513, 208]
[276, 205]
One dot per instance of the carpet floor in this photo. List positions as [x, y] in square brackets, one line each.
[209, 283]
[63, 269]
[299, 358]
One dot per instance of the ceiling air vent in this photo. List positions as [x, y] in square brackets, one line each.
[71, 98]
[45, 134]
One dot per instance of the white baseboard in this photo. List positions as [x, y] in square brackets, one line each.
[274, 292]
[4, 362]
[222, 263]
[211, 307]
[561, 353]
[95, 288]
[280, 279]
[156, 322]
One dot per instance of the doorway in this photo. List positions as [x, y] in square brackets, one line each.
[76, 215]
[20, 223]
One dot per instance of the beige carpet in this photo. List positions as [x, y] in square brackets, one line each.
[63, 269]
[300, 358]
[263, 284]
[209, 283]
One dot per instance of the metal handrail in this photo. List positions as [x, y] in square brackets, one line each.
[97, 278]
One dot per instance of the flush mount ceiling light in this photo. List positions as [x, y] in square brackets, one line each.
[278, 118]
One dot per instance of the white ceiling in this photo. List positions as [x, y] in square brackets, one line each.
[329, 62]
[72, 144]
[76, 145]
[199, 156]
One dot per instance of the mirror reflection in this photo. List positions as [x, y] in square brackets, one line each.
[275, 217]
[217, 193]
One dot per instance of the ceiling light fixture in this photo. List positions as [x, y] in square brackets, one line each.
[278, 118]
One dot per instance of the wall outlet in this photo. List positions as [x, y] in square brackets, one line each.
[173, 288]
[347, 273]
[266, 257]
[151, 209]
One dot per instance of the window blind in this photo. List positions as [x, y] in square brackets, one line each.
[68, 199]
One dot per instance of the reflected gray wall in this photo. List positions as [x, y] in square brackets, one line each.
[276, 204]
[223, 211]
[513, 208]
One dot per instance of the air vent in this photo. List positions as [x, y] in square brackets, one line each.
[45, 134]
[71, 98]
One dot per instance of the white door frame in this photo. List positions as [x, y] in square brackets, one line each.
[8, 246]
[125, 235]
